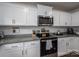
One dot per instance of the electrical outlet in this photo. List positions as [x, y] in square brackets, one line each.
[15, 30]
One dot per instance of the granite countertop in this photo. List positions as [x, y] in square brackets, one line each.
[17, 38]
[66, 35]
[28, 37]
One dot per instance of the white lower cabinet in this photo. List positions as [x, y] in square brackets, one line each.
[76, 43]
[11, 50]
[27, 49]
[32, 49]
[61, 46]
[70, 44]
[65, 45]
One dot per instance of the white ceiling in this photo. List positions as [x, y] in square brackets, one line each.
[66, 6]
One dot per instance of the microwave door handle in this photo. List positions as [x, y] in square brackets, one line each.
[52, 20]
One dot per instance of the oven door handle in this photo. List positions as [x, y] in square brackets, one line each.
[43, 40]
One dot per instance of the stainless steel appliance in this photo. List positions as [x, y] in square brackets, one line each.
[43, 50]
[45, 36]
[70, 31]
[45, 20]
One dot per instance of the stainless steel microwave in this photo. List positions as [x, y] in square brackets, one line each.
[45, 20]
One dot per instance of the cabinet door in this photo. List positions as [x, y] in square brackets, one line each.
[41, 10]
[19, 15]
[65, 19]
[11, 50]
[56, 16]
[68, 19]
[6, 15]
[32, 49]
[44, 10]
[32, 17]
[61, 47]
[75, 17]
[62, 18]
[69, 44]
[12, 15]
[76, 44]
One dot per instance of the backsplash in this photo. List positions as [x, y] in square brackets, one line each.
[27, 30]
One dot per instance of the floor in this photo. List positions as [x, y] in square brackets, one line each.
[71, 54]
[51, 55]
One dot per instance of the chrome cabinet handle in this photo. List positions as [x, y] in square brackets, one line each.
[22, 52]
[65, 23]
[13, 21]
[67, 44]
[14, 46]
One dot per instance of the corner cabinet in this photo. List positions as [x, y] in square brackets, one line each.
[12, 15]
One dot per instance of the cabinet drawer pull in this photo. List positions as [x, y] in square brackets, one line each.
[67, 44]
[32, 43]
[22, 52]
[14, 46]
[43, 41]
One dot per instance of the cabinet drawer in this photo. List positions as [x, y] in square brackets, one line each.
[14, 45]
[31, 43]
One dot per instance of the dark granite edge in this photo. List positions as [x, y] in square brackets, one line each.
[18, 42]
[18, 36]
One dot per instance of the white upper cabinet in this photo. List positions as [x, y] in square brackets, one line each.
[75, 18]
[61, 18]
[12, 15]
[44, 10]
[31, 17]
[65, 19]
[56, 17]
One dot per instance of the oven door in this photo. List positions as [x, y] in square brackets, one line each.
[43, 49]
